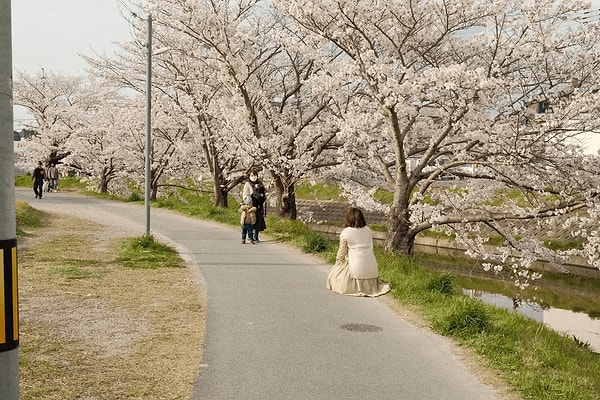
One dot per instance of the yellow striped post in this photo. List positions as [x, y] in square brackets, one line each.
[9, 304]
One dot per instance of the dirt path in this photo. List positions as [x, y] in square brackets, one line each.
[92, 329]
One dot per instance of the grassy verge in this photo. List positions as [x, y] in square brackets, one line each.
[146, 253]
[27, 217]
[535, 361]
[64, 183]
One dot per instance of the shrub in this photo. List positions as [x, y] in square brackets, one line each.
[144, 242]
[467, 317]
[134, 196]
[441, 284]
[315, 243]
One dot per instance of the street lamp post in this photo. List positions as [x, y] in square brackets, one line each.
[148, 127]
[148, 179]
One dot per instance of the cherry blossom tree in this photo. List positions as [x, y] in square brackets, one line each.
[54, 101]
[78, 122]
[186, 99]
[469, 113]
[493, 93]
[176, 151]
[95, 145]
[209, 153]
[81, 122]
[269, 110]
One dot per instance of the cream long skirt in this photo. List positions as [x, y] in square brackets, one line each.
[340, 281]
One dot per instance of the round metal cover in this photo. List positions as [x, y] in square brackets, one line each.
[361, 328]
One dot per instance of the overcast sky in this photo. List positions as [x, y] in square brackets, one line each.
[51, 34]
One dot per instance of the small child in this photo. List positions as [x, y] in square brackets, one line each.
[248, 219]
[46, 186]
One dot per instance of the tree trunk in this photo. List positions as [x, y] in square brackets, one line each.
[285, 201]
[103, 184]
[54, 157]
[289, 209]
[155, 175]
[106, 176]
[220, 192]
[400, 237]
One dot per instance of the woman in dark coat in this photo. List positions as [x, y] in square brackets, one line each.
[258, 200]
[255, 188]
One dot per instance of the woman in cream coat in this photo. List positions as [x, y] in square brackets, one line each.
[355, 272]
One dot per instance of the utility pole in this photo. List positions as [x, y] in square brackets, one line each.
[9, 316]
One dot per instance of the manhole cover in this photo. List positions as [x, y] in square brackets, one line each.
[361, 328]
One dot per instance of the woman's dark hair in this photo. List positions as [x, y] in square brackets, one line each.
[354, 218]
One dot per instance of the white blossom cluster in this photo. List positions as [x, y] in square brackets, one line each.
[469, 113]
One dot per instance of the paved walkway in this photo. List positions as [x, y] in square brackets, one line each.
[275, 332]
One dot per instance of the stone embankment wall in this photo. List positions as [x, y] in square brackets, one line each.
[326, 218]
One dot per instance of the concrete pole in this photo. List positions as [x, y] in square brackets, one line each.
[9, 317]
[148, 127]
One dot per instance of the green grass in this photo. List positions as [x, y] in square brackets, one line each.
[321, 191]
[563, 245]
[442, 283]
[315, 243]
[536, 361]
[27, 217]
[65, 183]
[146, 253]
[189, 203]
[465, 317]
[77, 269]
[24, 181]
[384, 196]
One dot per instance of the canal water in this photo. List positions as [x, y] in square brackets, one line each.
[579, 325]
